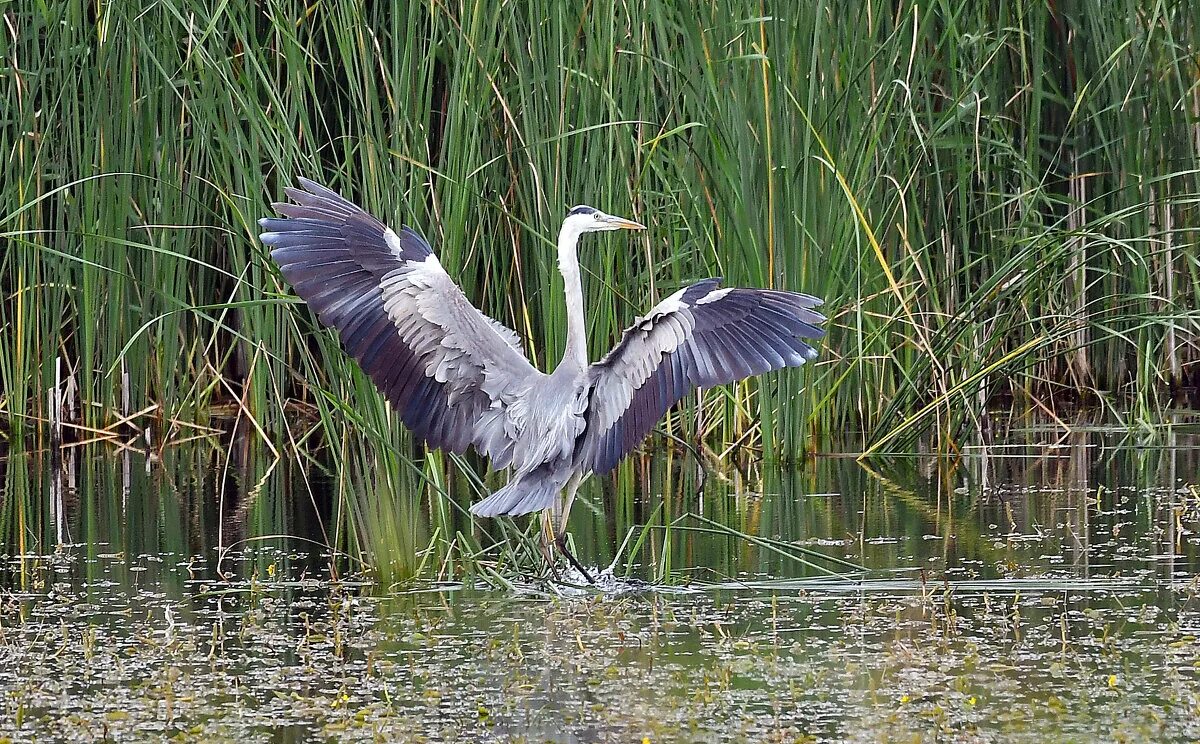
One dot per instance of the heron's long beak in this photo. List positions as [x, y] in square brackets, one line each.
[624, 224]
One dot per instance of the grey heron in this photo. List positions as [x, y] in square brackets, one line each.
[458, 378]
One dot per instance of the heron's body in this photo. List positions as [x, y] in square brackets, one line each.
[460, 379]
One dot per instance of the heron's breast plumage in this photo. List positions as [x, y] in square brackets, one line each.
[544, 422]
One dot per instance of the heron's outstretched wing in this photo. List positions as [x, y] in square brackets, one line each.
[447, 368]
[701, 336]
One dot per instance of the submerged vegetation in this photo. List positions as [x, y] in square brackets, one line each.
[998, 204]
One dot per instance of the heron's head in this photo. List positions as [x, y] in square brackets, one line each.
[588, 219]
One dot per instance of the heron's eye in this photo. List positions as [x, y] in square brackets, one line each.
[597, 217]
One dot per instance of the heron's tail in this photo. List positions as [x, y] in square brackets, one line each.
[530, 492]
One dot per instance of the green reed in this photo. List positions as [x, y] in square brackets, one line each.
[997, 204]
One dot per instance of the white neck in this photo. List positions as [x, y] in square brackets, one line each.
[575, 354]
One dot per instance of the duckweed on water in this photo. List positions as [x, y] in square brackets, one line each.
[300, 659]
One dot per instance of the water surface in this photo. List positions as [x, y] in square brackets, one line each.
[1042, 586]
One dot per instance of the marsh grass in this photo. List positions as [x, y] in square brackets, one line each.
[998, 205]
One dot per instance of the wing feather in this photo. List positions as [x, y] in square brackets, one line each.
[442, 364]
[700, 337]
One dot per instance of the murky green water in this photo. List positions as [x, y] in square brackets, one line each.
[1044, 589]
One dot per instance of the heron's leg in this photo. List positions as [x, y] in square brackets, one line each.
[561, 542]
[564, 511]
[560, 530]
[548, 541]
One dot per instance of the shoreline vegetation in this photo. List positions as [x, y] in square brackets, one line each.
[999, 206]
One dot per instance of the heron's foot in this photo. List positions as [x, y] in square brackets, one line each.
[561, 542]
